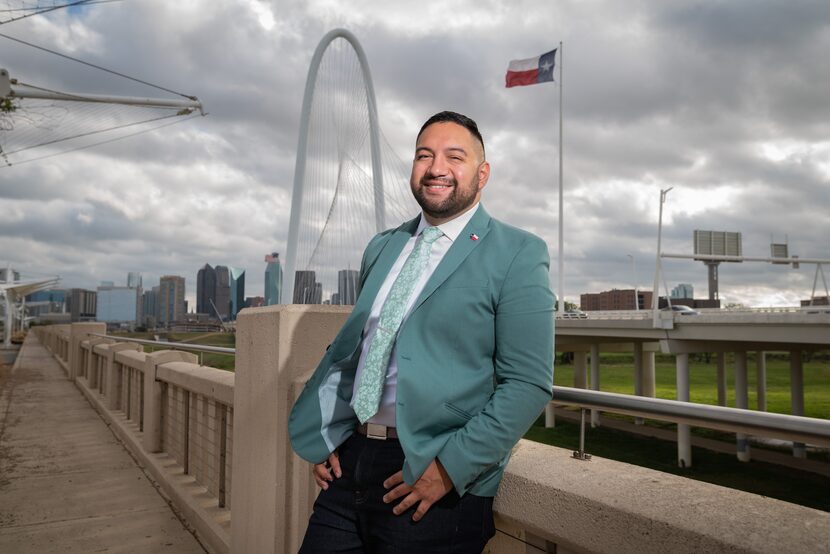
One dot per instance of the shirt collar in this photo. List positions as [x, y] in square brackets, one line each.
[453, 227]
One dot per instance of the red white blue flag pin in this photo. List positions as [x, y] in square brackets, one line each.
[473, 236]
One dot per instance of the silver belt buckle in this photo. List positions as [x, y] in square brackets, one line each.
[375, 431]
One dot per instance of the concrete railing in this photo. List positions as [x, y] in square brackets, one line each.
[175, 416]
[548, 500]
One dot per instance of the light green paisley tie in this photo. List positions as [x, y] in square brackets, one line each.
[367, 397]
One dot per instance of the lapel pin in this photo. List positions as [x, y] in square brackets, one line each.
[473, 236]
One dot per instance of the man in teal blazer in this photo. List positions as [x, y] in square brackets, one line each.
[471, 369]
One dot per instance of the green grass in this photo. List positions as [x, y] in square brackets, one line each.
[617, 375]
[218, 361]
[783, 483]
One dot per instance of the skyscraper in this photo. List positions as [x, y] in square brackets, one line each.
[222, 297]
[683, 290]
[134, 280]
[116, 304]
[273, 279]
[205, 290]
[346, 287]
[149, 307]
[171, 299]
[237, 290]
[82, 304]
[306, 289]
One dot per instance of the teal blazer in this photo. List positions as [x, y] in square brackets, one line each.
[475, 356]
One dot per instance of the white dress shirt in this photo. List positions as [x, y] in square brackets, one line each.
[451, 229]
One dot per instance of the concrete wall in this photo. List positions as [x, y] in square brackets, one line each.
[174, 415]
[548, 500]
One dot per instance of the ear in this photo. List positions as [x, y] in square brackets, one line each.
[483, 174]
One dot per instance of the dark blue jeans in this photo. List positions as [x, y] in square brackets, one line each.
[351, 516]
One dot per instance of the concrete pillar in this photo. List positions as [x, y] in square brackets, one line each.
[761, 380]
[638, 375]
[797, 396]
[79, 332]
[721, 378]
[580, 370]
[152, 394]
[115, 379]
[684, 439]
[741, 401]
[649, 379]
[277, 349]
[595, 380]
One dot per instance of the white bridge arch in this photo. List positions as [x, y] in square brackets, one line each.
[302, 148]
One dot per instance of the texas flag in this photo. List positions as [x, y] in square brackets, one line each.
[531, 71]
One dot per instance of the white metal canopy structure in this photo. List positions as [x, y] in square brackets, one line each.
[9, 88]
[33, 117]
[14, 294]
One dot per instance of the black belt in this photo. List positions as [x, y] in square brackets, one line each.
[379, 432]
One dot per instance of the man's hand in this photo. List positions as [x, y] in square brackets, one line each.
[428, 489]
[327, 471]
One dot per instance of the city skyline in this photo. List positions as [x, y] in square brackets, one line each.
[721, 102]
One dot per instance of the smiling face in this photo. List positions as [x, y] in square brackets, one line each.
[448, 171]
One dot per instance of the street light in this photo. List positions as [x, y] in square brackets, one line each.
[656, 290]
[634, 275]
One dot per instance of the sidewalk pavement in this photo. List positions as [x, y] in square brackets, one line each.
[66, 483]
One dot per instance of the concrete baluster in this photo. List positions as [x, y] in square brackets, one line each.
[115, 379]
[92, 363]
[79, 332]
[152, 394]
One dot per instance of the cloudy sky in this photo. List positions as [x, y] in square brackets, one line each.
[727, 102]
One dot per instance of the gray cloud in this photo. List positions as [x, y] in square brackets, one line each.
[723, 101]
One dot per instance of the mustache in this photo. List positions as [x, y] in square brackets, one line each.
[437, 181]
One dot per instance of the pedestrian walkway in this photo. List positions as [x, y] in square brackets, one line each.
[66, 483]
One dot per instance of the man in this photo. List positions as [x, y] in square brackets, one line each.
[447, 358]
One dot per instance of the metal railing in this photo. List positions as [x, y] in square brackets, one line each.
[734, 420]
[171, 345]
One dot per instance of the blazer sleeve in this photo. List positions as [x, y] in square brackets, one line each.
[523, 369]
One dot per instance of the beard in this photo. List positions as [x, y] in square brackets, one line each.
[459, 199]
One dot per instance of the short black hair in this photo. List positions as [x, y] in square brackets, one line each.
[457, 118]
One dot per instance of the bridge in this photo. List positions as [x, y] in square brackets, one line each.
[104, 445]
[215, 443]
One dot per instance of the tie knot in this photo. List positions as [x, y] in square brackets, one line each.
[431, 234]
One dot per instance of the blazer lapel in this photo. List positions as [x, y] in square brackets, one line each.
[383, 263]
[479, 226]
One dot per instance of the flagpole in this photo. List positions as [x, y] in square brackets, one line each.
[561, 291]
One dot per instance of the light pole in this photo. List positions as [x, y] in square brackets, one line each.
[634, 275]
[656, 290]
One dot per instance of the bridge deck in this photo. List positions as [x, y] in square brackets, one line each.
[66, 483]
